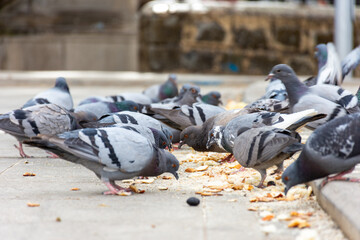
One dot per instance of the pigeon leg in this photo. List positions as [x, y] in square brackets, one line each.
[263, 176]
[114, 189]
[52, 155]
[280, 168]
[339, 177]
[21, 151]
[230, 158]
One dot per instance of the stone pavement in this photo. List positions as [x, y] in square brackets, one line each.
[156, 214]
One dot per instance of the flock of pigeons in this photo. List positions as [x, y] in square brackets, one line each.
[123, 136]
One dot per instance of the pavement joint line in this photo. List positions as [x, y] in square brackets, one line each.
[10, 167]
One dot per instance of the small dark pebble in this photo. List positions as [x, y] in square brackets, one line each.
[271, 183]
[193, 201]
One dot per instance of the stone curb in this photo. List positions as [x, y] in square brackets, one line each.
[341, 201]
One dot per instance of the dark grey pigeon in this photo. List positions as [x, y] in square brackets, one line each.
[163, 91]
[263, 147]
[224, 136]
[59, 95]
[333, 148]
[213, 98]
[185, 116]
[301, 97]
[111, 153]
[103, 108]
[46, 119]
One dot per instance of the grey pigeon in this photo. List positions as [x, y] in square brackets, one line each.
[213, 98]
[46, 119]
[163, 91]
[59, 95]
[263, 147]
[103, 108]
[224, 136]
[111, 153]
[301, 97]
[187, 96]
[333, 148]
[196, 136]
[156, 137]
[95, 99]
[276, 90]
[131, 118]
[184, 116]
[330, 70]
[139, 98]
[270, 105]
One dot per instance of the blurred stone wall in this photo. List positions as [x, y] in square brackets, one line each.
[234, 38]
[68, 35]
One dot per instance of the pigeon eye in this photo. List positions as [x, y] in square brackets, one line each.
[173, 165]
[186, 136]
[286, 178]
[212, 135]
[135, 108]
[278, 70]
[164, 143]
[170, 137]
[193, 90]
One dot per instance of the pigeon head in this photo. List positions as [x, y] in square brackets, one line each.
[281, 71]
[290, 177]
[127, 105]
[169, 88]
[84, 117]
[167, 163]
[167, 133]
[215, 136]
[60, 83]
[187, 136]
[321, 55]
[212, 98]
[162, 141]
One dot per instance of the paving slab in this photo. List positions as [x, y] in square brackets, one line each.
[156, 214]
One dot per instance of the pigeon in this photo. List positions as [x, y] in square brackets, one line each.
[196, 136]
[156, 137]
[103, 108]
[212, 98]
[95, 99]
[301, 97]
[331, 70]
[163, 91]
[46, 119]
[224, 136]
[59, 95]
[139, 98]
[333, 148]
[270, 105]
[188, 95]
[263, 147]
[111, 153]
[131, 118]
[276, 90]
[184, 116]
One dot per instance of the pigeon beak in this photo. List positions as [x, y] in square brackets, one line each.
[176, 175]
[286, 190]
[180, 144]
[208, 145]
[220, 102]
[270, 76]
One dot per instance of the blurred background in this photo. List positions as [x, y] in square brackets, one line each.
[215, 37]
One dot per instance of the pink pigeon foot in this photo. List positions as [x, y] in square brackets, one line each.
[21, 151]
[339, 177]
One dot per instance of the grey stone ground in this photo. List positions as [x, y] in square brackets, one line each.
[156, 214]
